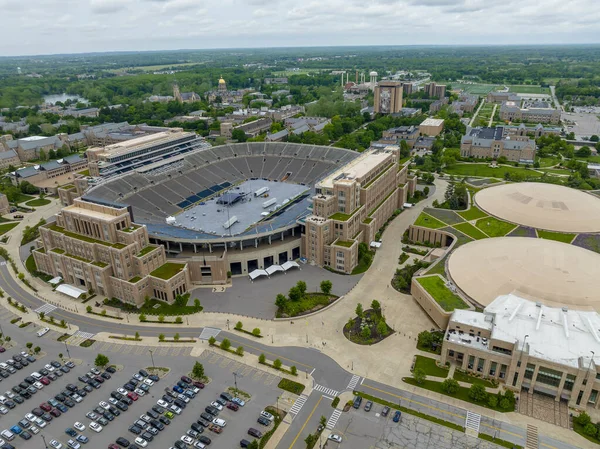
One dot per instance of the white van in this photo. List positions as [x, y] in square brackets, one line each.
[7, 435]
[36, 375]
[43, 331]
[219, 422]
[3, 365]
[3, 399]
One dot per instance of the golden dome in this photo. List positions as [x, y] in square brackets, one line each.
[221, 80]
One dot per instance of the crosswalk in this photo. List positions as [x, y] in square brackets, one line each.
[208, 332]
[353, 382]
[298, 404]
[46, 308]
[84, 335]
[328, 391]
[472, 423]
[333, 419]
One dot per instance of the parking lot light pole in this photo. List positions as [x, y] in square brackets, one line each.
[235, 376]
[44, 440]
[67, 348]
[151, 357]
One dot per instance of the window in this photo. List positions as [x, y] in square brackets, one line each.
[529, 371]
[549, 376]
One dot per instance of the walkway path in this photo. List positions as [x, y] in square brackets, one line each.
[477, 112]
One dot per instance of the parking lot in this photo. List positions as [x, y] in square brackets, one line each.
[263, 394]
[582, 124]
[366, 430]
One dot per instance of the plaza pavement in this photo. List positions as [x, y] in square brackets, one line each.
[387, 362]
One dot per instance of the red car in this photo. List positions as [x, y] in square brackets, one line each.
[186, 379]
[45, 407]
[133, 396]
[55, 412]
[113, 446]
[2, 349]
[232, 406]
[199, 385]
[45, 381]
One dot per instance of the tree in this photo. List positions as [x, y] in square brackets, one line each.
[198, 370]
[425, 339]
[103, 313]
[60, 355]
[256, 332]
[583, 419]
[161, 337]
[88, 309]
[590, 430]
[225, 344]
[505, 404]
[29, 345]
[137, 335]
[426, 191]
[239, 135]
[253, 444]
[212, 340]
[584, 151]
[359, 311]
[281, 301]
[142, 317]
[197, 304]
[295, 294]
[42, 315]
[176, 336]
[477, 393]
[63, 323]
[277, 364]
[376, 306]
[419, 375]
[323, 421]
[382, 328]
[238, 326]
[161, 318]
[178, 320]
[301, 285]
[37, 349]
[262, 359]
[365, 332]
[239, 350]
[493, 401]
[450, 386]
[594, 138]
[294, 370]
[101, 360]
[326, 287]
[21, 276]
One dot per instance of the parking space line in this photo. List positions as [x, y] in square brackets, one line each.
[247, 370]
[140, 350]
[127, 349]
[225, 362]
[175, 351]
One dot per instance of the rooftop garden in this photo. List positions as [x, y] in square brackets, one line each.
[68, 187]
[168, 270]
[135, 279]
[344, 243]
[58, 250]
[494, 227]
[100, 264]
[84, 238]
[434, 285]
[427, 221]
[340, 216]
[81, 259]
[131, 228]
[85, 172]
[147, 250]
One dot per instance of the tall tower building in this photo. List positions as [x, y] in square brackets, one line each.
[388, 97]
[177, 93]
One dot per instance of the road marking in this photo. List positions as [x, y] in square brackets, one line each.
[353, 382]
[208, 332]
[45, 308]
[305, 422]
[299, 403]
[329, 391]
[313, 371]
[85, 335]
[333, 419]
[327, 397]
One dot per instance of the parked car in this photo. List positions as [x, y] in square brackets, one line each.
[368, 406]
[357, 402]
[397, 416]
[255, 433]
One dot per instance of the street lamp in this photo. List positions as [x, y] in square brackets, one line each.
[151, 357]
[44, 440]
[235, 376]
[67, 348]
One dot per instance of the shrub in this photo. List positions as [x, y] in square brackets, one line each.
[359, 311]
[294, 370]
[225, 344]
[477, 393]
[326, 287]
[256, 332]
[262, 359]
[176, 337]
[590, 430]
[583, 419]
[505, 404]
[178, 320]
[291, 386]
[212, 340]
[161, 318]
[103, 313]
[137, 335]
[142, 317]
[493, 401]
[450, 386]
[239, 350]
[239, 325]
[419, 375]
[161, 337]
[277, 364]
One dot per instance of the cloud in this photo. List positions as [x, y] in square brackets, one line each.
[63, 26]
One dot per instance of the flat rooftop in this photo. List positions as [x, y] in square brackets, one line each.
[358, 167]
[432, 122]
[542, 206]
[127, 146]
[553, 273]
[210, 216]
[553, 334]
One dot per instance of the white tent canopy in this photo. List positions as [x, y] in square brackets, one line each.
[273, 268]
[70, 290]
[375, 244]
[55, 280]
[290, 264]
[256, 273]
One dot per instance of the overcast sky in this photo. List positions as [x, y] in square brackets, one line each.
[74, 26]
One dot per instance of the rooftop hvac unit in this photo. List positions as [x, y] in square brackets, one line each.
[229, 223]
[269, 203]
[261, 191]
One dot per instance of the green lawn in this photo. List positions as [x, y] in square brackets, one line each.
[556, 171]
[21, 198]
[156, 307]
[168, 270]
[427, 221]
[527, 89]
[364, 262]
[428, 365]
[434, 285]
[464, 377]
[472, 214]
[558, 236]
[38, 202]
[547, 161]
[446, 215]
[475, 89]
[471, 231]
[494, 227]
[462, 393]
[483, 170]
[4, 228]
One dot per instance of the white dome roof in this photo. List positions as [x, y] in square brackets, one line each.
[373, 73]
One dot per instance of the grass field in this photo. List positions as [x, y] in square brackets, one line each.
[4, 228]
[558, 236]
[446, 215]
[475, 89]
[471, 231]
[37, 202]
[464, 377]
[483, 170]
[529, 89]
[547, 161]
[427, 221]
[472, 214]
[447, 300]
[152, 68]
[427, 364]
[299, 72]
[494, 227]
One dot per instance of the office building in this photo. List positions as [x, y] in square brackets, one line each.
[435, 90]
[484, 142]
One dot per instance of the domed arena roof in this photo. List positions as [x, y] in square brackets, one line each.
[543, 206]
[553, 273]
